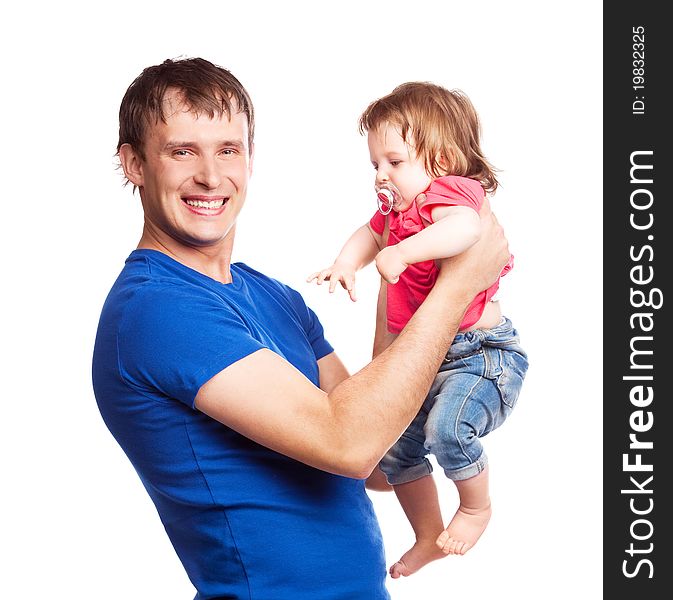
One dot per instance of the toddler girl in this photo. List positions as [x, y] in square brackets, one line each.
[431, 181]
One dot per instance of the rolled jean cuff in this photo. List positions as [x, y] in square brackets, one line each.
[470, 471]
[410, 474]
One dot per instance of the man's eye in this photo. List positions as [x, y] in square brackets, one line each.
[181, 153]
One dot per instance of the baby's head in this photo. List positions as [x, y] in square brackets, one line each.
[439, 129]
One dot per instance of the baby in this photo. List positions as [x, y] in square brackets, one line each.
[431, 181]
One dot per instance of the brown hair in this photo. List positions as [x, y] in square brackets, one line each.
[443, 126]
[204, 87]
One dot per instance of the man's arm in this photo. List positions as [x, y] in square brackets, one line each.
[348, 429]
[332, 373]
[382, 337]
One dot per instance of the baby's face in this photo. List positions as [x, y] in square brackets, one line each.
[395, 161]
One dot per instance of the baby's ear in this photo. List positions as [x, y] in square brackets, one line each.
[442, 161]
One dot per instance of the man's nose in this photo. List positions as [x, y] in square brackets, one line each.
[207, 174]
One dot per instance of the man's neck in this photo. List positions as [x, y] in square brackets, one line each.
[212, 261]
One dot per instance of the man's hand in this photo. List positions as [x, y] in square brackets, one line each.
[339, 272]
[390, 263]
[480, 265]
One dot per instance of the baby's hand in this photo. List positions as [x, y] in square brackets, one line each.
[390, 264]
[337, 273]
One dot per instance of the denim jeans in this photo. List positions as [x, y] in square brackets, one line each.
[475, 390]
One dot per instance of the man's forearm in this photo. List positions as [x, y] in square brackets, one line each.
[373, 407]
[382, 337]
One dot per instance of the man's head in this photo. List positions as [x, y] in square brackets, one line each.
[185, 141]
[204, 88]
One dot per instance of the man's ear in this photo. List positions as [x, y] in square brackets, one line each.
[132, 165]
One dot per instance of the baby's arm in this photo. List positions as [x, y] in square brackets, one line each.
[454, 230]
[359, 251]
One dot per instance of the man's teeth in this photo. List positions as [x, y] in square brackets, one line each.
[204, 203]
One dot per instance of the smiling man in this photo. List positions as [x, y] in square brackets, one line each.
[217, 382]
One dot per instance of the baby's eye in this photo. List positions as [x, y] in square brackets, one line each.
[394, 163]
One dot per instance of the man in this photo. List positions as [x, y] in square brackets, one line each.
[217, 382]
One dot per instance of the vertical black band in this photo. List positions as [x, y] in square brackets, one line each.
[638, 268]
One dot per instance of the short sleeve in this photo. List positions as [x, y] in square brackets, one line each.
[174, 342]
[378, 222]
[452, 191]
[311, 325]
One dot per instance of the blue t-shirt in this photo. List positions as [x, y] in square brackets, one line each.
[245, 521]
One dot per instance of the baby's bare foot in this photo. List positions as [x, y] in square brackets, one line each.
[464, 530]
[419, 555]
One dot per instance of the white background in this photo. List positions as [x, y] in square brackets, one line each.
[76, 521]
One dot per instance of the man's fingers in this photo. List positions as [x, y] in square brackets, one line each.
[485, 208]
[492, 232]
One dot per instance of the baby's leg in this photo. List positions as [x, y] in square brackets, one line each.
[467, 408]
[471, 518]
[477, 394]
[421, 505]
[409, 471]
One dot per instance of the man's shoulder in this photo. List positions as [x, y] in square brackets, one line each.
[271, 284]
[152, 293]
[249, 273]
[145, 278]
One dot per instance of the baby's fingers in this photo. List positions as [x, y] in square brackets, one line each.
[348, 284]
[323, 275]
[333, 281]
[320, 276]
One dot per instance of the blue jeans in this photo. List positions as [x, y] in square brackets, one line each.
[474, 391]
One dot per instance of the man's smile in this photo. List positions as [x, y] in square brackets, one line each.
[205, 203]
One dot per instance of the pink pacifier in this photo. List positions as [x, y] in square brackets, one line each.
[386, 194]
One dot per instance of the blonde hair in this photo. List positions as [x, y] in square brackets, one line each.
[441, 125]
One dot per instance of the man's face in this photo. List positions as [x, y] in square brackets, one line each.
[395, 161]
[193, 180]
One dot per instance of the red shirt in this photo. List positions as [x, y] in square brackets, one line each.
[415, 283]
